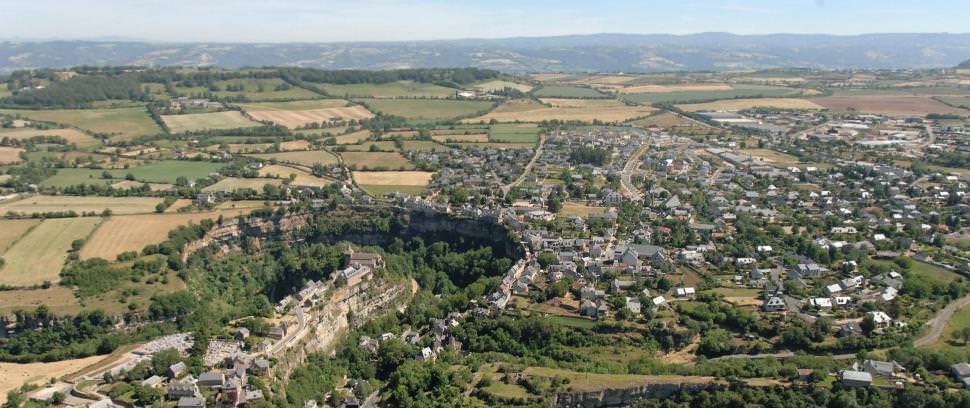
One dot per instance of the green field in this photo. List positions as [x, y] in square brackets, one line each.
[391, 90]
[739, 91]
[382, 190]
[77, 137]
[422, 145]
[955, 101]
[294, 105]
[120, 124]
[168, 171]
[925, 270]
[73, 177]
[427, 109]
[252, 91]
[555, 91]
[514, 133]
[203, 121]
[577, 322]
[39, 256]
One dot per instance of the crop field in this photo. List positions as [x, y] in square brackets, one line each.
[703, 87]
[120, 124]
[262, 89]
[557, 91]
[352, 138]
[376, 161]
[17, 374]
[570, 208]
[39, 256]
[580, 103]
[12, 230]
[79, 204]
[606, 79]
[300, 177]
[74, 136]
[10, 155]
[73, 177]
[292, 145]
[737, 91]
[422, 146]
[496, 145]
[667, 120]
[742, 104]
[398, 89]
[384, 145]
[168, 171]
[202, 121]
[393, 178]
[461, 138]
[962, 102]
[427, 109]
[534, 112]
[551, 77]
[771, 156]
[498, 85]
[231, 184]
[378, 190]
[306, 158]
[133, 232]
[514, 133]
[129, 184]
[888, 105]
[294, 105]
[59, 299]
[297, 118]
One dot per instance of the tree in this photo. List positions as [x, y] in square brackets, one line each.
[545, 259]
[868, 324]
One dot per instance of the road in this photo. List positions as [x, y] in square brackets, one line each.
[780, 354]
[288, 339]
[528, 167]
[626, 178]
[938, 322]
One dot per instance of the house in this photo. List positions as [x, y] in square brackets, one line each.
[885, 369]
[211, 379]
[852, 378]
[774, 304]
[961, 371]
[190, 402]
[633, 304]
[881, 319]
[242, 333]
[588, 308]
[178, 390]
[206, 198]
[619, 285]
[355, 273]
[658, 301]
[832, 289]
[370, 260]
[260, 366]
[850, 329]
[176, 370]
[821, 303]
[153, 381]
[685, 292]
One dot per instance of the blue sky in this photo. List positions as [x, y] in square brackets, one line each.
[363, 20]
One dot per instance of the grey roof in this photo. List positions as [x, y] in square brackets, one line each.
[861, 376]
[961, 369]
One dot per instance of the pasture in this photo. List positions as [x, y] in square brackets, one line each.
[133, 232]
[514, 133]
[393, 178]
[262, 89]
[79, 204]
[695, 87]
[231, 184]
[10, 155]
[376, 161]
[168, 171]
[298, 118]
[461, 138]
[294, 105]
[16, 375]
[736, 91]
[352, 138]
[427, 109]
[306, 158]
[422, 146]
[498, 85]
[12, 230]
[72, 136]
[528, 111]
[742, 104]
[300, 177]
[39, 255]
[888, 105]
[559, 91]
[398, 89]
[203, 121]
[119, 124]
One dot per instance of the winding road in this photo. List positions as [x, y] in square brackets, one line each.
[938, 322]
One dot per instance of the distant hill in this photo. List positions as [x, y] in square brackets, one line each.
[599, 52]
[964, 64]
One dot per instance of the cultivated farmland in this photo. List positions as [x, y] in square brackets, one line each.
[39, 256]
[231, 184]
[352, 138]
[384, 182]
[528, 111]
[555, 91]
[887, 105]
[514, 133]
[294, 105]
[675, 88]
[306, 158]
[376, 161]
[498, 85]
[168, 171]
[12, 230]
[79, 204]
[120, 124]
[297, 118]
[427, 109]
[10, 155]
[74, 136]
[300, 177]
[202, 121]
[391, 90]
[262, 90]
[741, 104]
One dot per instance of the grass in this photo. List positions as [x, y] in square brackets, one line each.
[74, 136]
[120, 124]
[514, 133]
[739, 91]
[422, 146]
[16, 375]
[203, 121]
[298, 118]
[575, 322]
[376, 161]
[10, 155]
[12, 230]
[531, 111]
[47, 203]
[380, 190]
[168, 171]
[427, 109]
[595, 382]
[498, 85]
[294, 105]
[572, 208]
[231, 184]
[306, 158]
[558, 91]
[393, 178]
[39, 256]
[300, 177]
[925, 270]
[390, 90]
[251, 90]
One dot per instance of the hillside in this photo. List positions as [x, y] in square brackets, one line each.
[601, 52]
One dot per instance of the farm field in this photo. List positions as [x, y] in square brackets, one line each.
[427, 109]
[39, 256]
[527, 111]
[73, 177]
[580, 103]
[202, 121]
[570, 208]
[887, 105]
[168, 171]
[119, 124]
[514, 133]
[297, 118]
[294, 105]
[17, 374]
[74, 136]
[742, 104]
[133, 232]
[460, 138]
[10, 155]
[46, 203]
[230, 184]
[385, 145]
[262, 89]
[498, 85]
[703, 87]
[393, 178]
[352, 138]
[376, 161]
[390, 90]
[59, 299]
[421, 145]
[306, 158]
[12, 230]
[962, 102]
[737, 91]
[129, 184]
[558, 91]
[300, 177]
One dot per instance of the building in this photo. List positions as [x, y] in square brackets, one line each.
[190, 402]
[367, 259]
[178, 390]
[211, 379]
[852, 378]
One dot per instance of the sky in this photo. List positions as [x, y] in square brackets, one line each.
[406, 20]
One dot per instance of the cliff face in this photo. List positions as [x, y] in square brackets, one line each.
[627, 396]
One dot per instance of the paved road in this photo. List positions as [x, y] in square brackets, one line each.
[938, 322]
[626, 182]
[528, 167]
